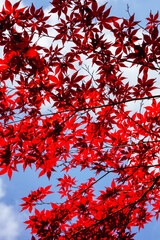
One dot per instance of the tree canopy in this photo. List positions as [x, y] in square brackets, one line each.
[89, 100]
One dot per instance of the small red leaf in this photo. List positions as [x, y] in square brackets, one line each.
[3, 171]
[16, 5]
[8, 5]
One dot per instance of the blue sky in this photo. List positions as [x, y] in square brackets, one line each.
[11, 227]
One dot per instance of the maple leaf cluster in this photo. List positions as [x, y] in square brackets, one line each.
[98, 118]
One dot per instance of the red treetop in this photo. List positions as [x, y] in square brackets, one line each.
[74, 104]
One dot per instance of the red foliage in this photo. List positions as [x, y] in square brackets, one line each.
[34, 197]
[99, 118]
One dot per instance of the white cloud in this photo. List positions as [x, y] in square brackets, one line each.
[9, 226]
[9, 220]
